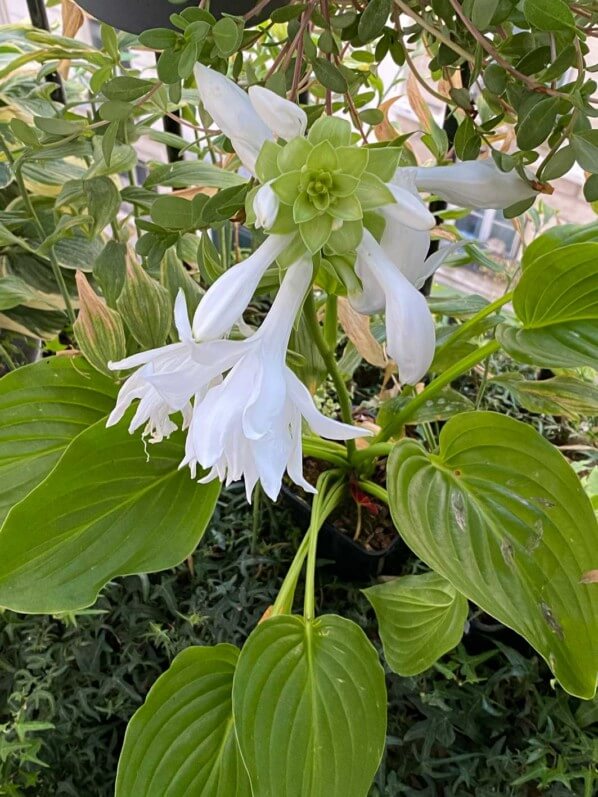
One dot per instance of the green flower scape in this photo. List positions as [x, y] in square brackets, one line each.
[329, 190]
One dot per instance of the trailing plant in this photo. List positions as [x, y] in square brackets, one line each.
[340, 233]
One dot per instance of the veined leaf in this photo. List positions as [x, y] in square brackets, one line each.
[182, 740]
[309, 704]
[556, 301]
[561, 395]
[501, 515]
[42, 408]
[420, 619]
[109, 508]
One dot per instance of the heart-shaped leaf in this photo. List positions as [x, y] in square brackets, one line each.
[420, 619]
[110, 507]
[556, 301]
[309, 703]
[501, 515]
[42, 408]
[182, 740]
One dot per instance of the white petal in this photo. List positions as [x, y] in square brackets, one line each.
[410, 333]
[433, 263]
[284, 118]
[474, 184]
[407, 248]
[295, 463]
[276, 328]
[408, 210]
[265, 206]
[227, 299]
[143, 357]
[181, 317]
[320, 424]
[371, 299]
[230, 108]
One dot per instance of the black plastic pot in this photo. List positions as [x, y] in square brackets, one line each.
[136, 16]
[341, 554]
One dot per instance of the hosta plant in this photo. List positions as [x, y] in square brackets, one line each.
[192, 362]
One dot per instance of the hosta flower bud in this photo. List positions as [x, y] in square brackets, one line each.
[265, 206]
[145, 306]
[98, 330]
[284, 118]
[474, 184]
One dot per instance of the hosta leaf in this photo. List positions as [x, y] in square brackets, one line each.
[182, 740]
[501, 515]
[109, 508]
[561, 395]
[185, 173]
[309, 703]
[556, 302]
[447, 403]
[420, 618]
[42, 408]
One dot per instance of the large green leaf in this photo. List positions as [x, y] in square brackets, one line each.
[309, 703]
[110, 507]
[42, 408]
[420, 619]
[556, 302]
[561, 395]
[501, 515]
[181, 742]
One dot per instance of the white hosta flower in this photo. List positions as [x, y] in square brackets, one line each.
[410, 335]
[474, 184]
[284, 118]
[226, 300]
[249, 426]
[265, 205]
[247, 119]
[405, 245]
[166, 379]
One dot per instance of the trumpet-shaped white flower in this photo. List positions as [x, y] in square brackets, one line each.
[226, 300]
[249, 426]
[166, 380]
[247, 119]
[410, 335]
[474, 184]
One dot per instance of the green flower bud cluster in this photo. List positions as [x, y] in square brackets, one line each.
[327, 187]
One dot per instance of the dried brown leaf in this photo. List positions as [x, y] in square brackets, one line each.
[357, 329]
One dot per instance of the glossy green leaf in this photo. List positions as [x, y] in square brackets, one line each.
[501, 515]
[182, 741]
[227, 35]
[183, 174]
[537, 124]
[309, 703]
[110, 507]
[447, 403]
[42, 408]
[330, 76]
[561, 395]
[420, 618]
[585, 148]
[126, 88]
[556, 302]
[373, 19]
[553, 15]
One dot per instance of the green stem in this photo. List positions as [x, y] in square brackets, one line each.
[374, 489]
[323, 504]
[284, 600]
[330, 321]
[344, 398]
[325, 450]
[461, 367]
[470, 324]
